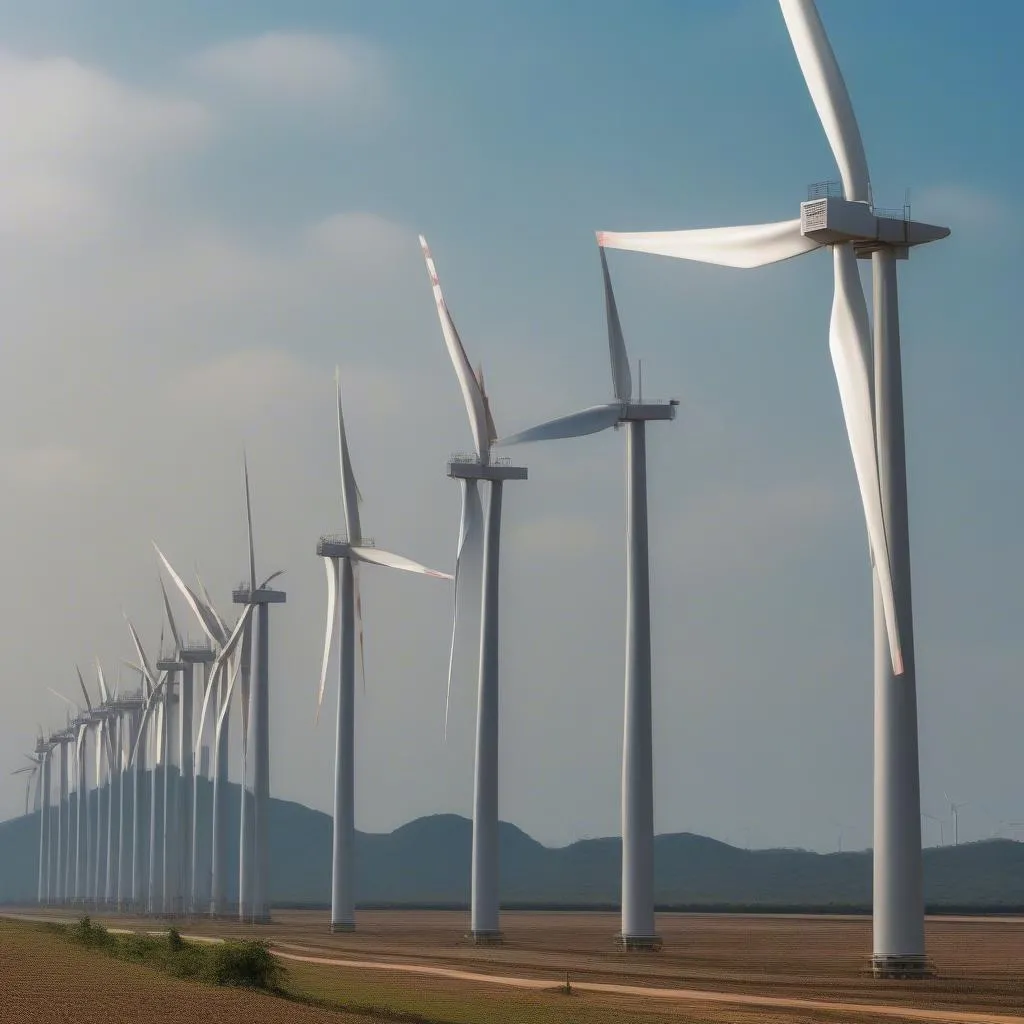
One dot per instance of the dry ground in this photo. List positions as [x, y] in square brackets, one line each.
[979, 965]
[44, 978]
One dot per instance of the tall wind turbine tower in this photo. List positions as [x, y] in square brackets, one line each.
[871, 392]
[342, 556]
[638, 930]
[42, 755]
[257, 888]
[470, 470]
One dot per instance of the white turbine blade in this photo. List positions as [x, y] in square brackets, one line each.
[207, 621]
[270, 579]
[849, 339]
[743, 246]
[622, 380]
[170, 617]
[331, 567]
[146, 667]
[349, 491]
[243, 664]
[160, 713]
[470, 541]
[248, 521]
[471, 393]
[492, 430]
[104, 692]
[243, 623]
[67, 700]
[357, 600]
[147, 710]
[378, 556]
[207, 603]
[828, 92]
[85, 692]
[222, 657]
[576, 424]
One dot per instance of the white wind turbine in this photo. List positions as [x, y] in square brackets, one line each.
[470, 469]
[223, 673]
[872, 401]
[954, 811]
[42, 756]
[32, 771]
[151, 744]
[342, 556]
[637, 754]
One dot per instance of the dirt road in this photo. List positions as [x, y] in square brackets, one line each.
[904, 1013]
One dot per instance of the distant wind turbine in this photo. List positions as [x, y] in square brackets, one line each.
[342, 557]
[638, 931]
[471, 469]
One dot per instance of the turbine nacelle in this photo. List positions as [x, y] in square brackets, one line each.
[466, 467]
[244, 594]
[831, 220]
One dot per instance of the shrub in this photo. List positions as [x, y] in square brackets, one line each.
[88, 934]
[248, 964]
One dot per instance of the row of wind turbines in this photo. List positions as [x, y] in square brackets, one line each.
[866, 358]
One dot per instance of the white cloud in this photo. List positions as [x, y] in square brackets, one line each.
[297, 67]
[73, 135]
[46, 467]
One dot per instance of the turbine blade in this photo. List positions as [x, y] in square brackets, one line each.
[829, 94]
[240, 629]
[743, 246]
[146, 667]
[207, 621]
[357, 600]
[378, 556]
[331, 567]
[243, 664]
[248, 521]
[622, 380]
[170, 617]
[208, 605]
[104, 693]
[67, 700]
[471, 392]
[222, 657]
[349, 491]
[576, 424]
[849, 339]
[492, 430]
[270, 579]
[160, 718]
[85, 692]
[470, 540]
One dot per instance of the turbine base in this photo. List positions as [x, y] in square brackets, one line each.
[342, 926]
[910, 965]
[486, 938]
[639, 943]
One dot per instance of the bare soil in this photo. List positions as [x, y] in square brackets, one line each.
[978, 962]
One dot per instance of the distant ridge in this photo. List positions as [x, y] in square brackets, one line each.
[427, 862]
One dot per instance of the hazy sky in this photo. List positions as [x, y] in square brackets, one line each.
[205, 207]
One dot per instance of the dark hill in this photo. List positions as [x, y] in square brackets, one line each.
[427, 862]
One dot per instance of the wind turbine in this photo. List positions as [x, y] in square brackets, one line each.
[637, 754]
[954, 810]
[31, 770]
[42, 754]
[342, 556]
[872, 401]
[222, 675]
[470, 470]
[151, 745]
[939, 822]
[254, 891]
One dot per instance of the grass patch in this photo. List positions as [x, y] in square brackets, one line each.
[243, 964]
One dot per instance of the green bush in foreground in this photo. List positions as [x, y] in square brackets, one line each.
[246, 964]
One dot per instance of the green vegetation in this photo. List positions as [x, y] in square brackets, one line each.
[245, 964]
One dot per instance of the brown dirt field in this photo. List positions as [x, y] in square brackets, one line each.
[45, 978]
[979, 962]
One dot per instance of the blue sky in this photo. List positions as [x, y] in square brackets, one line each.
[211, 205]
